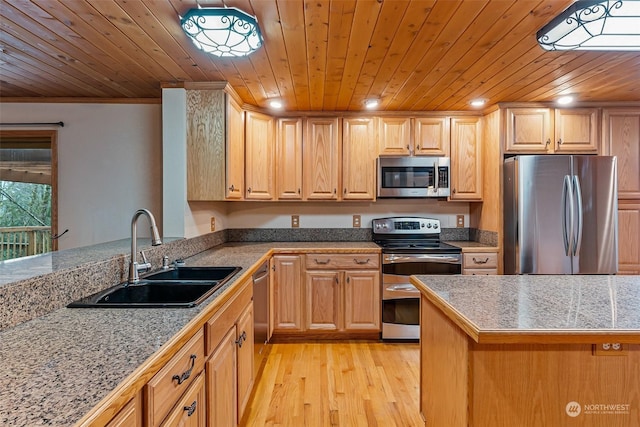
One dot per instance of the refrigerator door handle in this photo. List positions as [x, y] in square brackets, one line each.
[567, 194]
[578, 197]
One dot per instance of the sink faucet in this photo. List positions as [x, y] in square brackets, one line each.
[134, 267]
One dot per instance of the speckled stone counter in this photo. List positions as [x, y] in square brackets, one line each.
[528, 308]
[57, 367]
[468, 246]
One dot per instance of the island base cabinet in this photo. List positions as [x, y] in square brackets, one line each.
[464, 383]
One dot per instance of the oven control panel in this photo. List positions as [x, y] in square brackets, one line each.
[406, 225]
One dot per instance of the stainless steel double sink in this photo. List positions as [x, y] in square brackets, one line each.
[176, 287]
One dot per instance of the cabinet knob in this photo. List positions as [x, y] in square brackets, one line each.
[360, 262]
[418, 147]
[335, 190]
[232, 188]
[298, 191]
[345, 191]
[453, 191]
[548, 141]
[186, 374]
[479, 261]
[249, 190]
[560, 141]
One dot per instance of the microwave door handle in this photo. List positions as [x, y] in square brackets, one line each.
[436, 173]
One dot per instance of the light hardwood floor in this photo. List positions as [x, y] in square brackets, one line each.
[348, 383]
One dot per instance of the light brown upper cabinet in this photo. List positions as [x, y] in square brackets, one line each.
[289, 159]
[419, 136]
[548, 131]
[466, 159]
[621, 138]
[358, 161]
[321, 158]
[395, 135]
[215, 146]
[259, 153]
[234, 150]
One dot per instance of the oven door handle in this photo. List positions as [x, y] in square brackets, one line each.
[391, 259]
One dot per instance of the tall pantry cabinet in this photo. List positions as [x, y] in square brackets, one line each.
[621, 138]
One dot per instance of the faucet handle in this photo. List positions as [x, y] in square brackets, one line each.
[145, 265]
[165, 262]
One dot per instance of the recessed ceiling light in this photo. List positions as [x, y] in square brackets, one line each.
[565, 100]
[478, 102]
[371, 103]
[276, 104]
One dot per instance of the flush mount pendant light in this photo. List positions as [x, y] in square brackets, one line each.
[222, 31]
[594, 25]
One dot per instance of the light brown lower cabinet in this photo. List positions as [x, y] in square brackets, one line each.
[165, 389]
[342, 293]
[129, 416]
[229, 368]
[629, 237]
[287, 293]
[480, 263]
[191, 410]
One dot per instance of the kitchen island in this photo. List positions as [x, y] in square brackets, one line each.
[530, 350]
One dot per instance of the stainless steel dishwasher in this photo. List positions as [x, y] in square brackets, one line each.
[261, 314]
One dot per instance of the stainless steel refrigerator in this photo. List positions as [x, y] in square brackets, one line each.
[560, 215]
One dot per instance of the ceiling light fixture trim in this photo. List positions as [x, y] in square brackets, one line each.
[594, 25]
[222, 31]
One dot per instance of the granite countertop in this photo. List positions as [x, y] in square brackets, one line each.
[57, 367]
[537, 308]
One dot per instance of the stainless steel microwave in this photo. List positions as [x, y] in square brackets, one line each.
[413, 177]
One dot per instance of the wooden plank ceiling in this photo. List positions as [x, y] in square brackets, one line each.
[318, 54]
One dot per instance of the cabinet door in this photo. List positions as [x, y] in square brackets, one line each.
[621, 138]
[321, 159]
[191, 410]
[576, 130]
[529, 130]
[358, 162]
[259, 152]
[287, 293]
[629, 237]
[431, 136]
[362, 300]
[205, 144]
[324, 306]
[289, 159]
[395, 136]
[466, 159]
[222, 383]
[129, 416]
[244, 339]
[235, 151]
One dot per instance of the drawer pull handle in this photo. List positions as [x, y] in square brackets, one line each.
[242, 338]
[186, 374]
[361, 262]
[479, 261]
[191, 409]
[322, 262]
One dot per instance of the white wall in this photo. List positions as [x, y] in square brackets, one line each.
[109, 165]
[338, 214]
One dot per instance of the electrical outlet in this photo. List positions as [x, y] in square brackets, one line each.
[610, 349]
[356, 221]
[459, 220]
[295, 221]
[213, 223]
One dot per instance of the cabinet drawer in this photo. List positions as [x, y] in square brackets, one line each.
[221, 322]
[166, 387]
[342, 261]
[480, 260]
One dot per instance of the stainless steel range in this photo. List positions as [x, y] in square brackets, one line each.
[409, 246]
